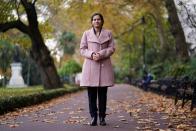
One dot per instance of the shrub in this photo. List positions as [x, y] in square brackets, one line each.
[31, 97]
[69, 68]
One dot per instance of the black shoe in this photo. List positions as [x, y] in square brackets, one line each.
[102, 121]
[93, 121]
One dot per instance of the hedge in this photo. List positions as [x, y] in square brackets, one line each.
[12, 103]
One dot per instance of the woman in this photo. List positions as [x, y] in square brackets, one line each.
[97, 45]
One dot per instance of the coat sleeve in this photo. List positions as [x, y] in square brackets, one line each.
[107, 52]
[84, 51]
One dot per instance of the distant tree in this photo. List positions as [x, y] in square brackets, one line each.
[187, 14]
[177, 30]
[68, 42]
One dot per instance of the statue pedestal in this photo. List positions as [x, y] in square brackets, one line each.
[16, 79]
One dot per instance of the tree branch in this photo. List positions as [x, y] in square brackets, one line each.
[31, 13]
[132, 27]
[190, 18]
[17, 7]
[24, 3]
[34, 1]
[14, 24]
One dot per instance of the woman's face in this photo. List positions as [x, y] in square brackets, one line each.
[96, 22]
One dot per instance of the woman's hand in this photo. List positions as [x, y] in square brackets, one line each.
[96, 56]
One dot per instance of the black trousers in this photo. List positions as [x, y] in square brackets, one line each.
[101, 92]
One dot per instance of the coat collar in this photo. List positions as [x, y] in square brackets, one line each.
[102, 37]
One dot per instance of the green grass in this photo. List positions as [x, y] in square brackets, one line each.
[11, 92]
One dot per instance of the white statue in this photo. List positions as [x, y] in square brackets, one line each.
[16, 79]
[16, 68]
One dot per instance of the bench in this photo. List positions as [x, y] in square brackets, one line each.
[186, 92]
[182, 88]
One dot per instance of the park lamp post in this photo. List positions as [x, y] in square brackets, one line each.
[143, 22]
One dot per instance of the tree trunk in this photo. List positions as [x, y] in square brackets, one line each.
[41, 55]
[161, 34]
[177, 31]
[159, 24]
[39, 52]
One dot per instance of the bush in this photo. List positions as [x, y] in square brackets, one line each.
[179, 69]
[190, 70]
[69, 68]
[33, 96]
[68, 71]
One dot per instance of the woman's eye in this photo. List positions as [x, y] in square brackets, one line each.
[96, 19]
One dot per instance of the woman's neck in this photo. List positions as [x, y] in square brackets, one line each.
[97, 30]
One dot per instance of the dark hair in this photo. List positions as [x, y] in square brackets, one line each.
[100, 15]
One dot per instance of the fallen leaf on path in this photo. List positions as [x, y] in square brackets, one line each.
[116, 126]
[182, 126]
[13, 125]
[121, 116]
[80, 109]
[123, 120]
[49, 121]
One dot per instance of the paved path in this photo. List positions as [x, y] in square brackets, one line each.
[70, 113]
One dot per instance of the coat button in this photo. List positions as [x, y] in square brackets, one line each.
[102, 65]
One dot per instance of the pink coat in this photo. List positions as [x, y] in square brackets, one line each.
[97, 73]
